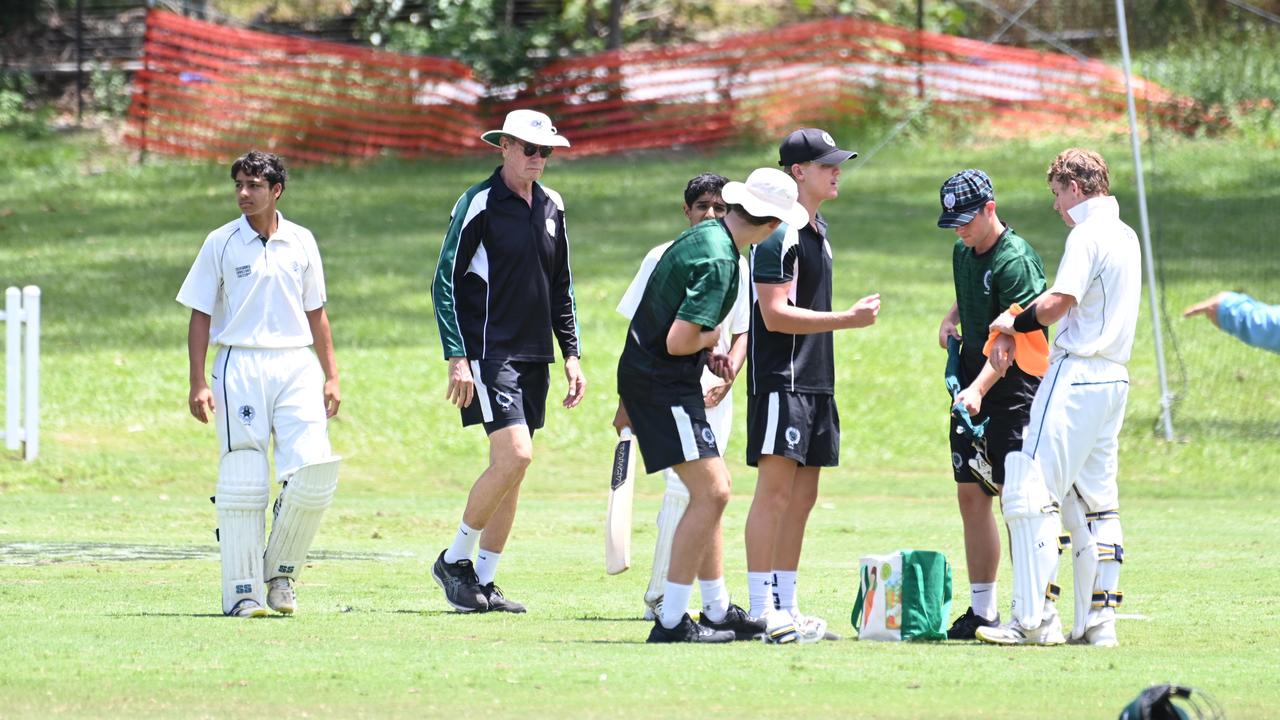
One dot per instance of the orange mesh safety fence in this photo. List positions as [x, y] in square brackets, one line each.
[212, 91]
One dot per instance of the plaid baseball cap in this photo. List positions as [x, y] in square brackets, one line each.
[808, 144]
[963, 196]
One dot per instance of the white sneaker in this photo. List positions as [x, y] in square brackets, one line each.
[247, 608]
[780, 628]
[653, 608]
[280, 596]
[812, 629]
[1101, 635]
[1011, 633]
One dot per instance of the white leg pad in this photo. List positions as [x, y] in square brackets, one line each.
[674, 503]
[1034, 524]
[1106, 587]
[1084, 559]
[298, 511]
[241, 502]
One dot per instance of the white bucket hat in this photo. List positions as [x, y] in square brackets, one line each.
[768, 192]
[530, 126]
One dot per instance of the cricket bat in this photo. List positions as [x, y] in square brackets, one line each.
[617, 523]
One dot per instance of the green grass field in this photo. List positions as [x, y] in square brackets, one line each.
[109, 573]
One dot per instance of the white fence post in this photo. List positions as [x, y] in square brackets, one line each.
[22, 362]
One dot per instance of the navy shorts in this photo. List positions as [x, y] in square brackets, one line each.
[507, 393]
[801, 426]
[1002, 435]
[670, 433]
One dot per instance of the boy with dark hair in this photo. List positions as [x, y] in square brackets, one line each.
[257, 291]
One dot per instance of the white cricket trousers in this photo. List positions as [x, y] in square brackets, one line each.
[1074, 428]
[265, 393]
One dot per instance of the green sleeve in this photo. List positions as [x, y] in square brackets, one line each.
[709, 283]
[460, 243]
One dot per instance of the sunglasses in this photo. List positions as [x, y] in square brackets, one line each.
[531, 150]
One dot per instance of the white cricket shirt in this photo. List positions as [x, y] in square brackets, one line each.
[257, 295]
[738, 321]
[1102, 269]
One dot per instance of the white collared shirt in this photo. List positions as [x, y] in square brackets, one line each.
[1101, 268]
[258, 295]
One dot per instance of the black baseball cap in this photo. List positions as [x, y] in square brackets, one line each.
[811, 144]
[963, 196]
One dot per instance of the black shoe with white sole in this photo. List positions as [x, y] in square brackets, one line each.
[966, 626]
[499, 602]
[461, 588]
[688, 631]
[736, 621]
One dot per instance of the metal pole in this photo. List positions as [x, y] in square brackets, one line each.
[1166, 400]
[919, 49]
[31, 314]
[79, 62]
[12, 368]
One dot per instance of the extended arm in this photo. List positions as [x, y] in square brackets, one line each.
[783, 317]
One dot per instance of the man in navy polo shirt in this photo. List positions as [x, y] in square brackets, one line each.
[502, 289]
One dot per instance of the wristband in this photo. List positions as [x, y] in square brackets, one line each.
[1026, 321]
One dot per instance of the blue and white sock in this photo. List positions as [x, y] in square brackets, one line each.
[784, 589]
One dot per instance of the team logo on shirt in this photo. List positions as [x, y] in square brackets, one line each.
[551, 226]
[708, 437]
[792, 436]
[504, 400]
[956, 460]
[246, 413]
[986, 283]
[243, 271]
[297, 267]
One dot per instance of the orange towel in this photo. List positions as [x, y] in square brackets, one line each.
[1030, 350]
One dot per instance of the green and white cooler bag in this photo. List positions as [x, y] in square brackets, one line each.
[904, 595]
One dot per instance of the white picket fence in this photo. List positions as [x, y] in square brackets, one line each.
[22, 370]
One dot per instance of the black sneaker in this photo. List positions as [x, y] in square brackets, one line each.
[687, 631]
[499, 602]
[966, 626]
[461, 588]
[736, 621]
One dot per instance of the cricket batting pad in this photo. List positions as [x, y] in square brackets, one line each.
[1084, 558]
[1032, 516]
[241, 500]
[674, 502]
[1105, 526]
[298, 511]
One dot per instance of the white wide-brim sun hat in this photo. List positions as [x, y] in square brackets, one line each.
[768, 192]
[530, 126]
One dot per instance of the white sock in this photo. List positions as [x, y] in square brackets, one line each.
[982, 596]
[784, 589]
[760, 590]
[487, 565]
[464, 544]
[675, 603]
[715, 599]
